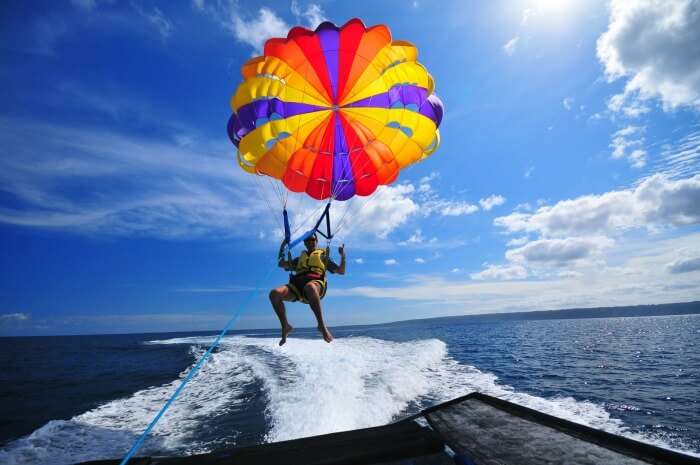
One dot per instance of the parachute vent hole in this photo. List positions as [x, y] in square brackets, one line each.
[396, 125]
[393, 64]
[272, 76]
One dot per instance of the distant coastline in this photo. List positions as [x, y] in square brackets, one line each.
[681, 308]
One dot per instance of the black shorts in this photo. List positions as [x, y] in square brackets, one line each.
[297, 283]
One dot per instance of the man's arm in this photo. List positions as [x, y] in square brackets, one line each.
[341, 267]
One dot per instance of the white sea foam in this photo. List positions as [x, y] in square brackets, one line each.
[317, 388]
[109, 430]
[311, 388]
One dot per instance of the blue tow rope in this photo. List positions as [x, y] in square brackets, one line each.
[190, 375]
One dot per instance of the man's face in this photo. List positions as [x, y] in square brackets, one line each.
[310, 243]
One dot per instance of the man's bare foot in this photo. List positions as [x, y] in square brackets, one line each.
[285, 331]
[327, 336]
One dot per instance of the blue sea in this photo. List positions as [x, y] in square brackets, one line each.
[70, 399]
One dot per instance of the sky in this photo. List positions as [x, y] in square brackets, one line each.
[568, 173]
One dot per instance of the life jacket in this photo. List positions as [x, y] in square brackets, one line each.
[313, 262]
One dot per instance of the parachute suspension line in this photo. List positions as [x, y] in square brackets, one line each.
[342, 219]
[285, 194]
[262, 194]
[193, 372]
[327, 234]
[341, 223]
[313, 213]
[276, 189]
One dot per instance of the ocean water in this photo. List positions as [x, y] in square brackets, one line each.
[70, 399]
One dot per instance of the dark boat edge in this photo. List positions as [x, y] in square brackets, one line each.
[406, 439]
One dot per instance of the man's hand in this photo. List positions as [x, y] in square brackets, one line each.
[341, 250]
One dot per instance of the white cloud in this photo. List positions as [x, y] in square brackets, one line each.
[500, 273]
[627, 104]
[87, 4]
[416, 238]
[656, 201]
[155, 322]
[182, 188]
[630, 131]
[359, 261]
[568, 102]
[146, 187]
[252, 31]
[527, 14]
[559, 252]
[682, 158]
[312, 15]
[569, 274]
[637, 158]
[529, 171]
[510, 47]
[492, 201]
[431, 177]
[630, 137]
[449, 208]
[390, 207]
[652, 44]
[391, 261]
[518, 241]
[8, 317]
[256, 31]
[157, 19]
[639, 277]
[424, 185]
[455, 270]
[419, 260]
[684, 265]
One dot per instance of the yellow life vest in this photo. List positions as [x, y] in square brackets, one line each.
[313, 262]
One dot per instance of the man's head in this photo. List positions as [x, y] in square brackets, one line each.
[310, 242]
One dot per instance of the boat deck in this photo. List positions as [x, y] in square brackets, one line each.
[474, 429]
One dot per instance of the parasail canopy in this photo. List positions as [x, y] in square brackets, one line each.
[335, 112]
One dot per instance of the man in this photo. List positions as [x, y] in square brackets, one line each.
[307, 285]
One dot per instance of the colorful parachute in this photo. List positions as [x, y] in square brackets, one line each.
[335, 112]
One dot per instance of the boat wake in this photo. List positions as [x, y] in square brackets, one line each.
[309, 388]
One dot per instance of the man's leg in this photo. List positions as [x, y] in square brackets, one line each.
[277, 297]
[311, 292]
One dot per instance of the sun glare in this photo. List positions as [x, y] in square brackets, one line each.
[544, 11]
